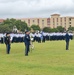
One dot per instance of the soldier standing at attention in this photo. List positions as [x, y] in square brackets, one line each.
[27, 42]
[67, 38]
[7, 42]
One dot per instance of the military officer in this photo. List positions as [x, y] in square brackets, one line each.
[7, 42]
[27, 42]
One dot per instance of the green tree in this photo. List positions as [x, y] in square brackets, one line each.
[71, 28]
[35, 27]
[4, 29]
[60, 29]
[20, 25]
[46, 29]
[54, 30]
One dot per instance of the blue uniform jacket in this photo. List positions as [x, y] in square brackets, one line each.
[67, 38]
[27, 39]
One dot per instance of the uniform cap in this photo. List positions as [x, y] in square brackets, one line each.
[26, 31]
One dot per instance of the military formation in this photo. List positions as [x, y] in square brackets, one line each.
[38, 37]
[28, 39]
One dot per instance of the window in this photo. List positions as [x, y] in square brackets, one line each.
[28, 20]
[57, 19]
[48, 21]
[69, 19]
[53, 19]
[42, 22]
[38, 20]
[61, 19]
[65, 18]
[65, 23]
[69, 22]
[69, 25]
[33, 21]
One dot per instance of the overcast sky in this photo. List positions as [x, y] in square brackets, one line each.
[35, 8]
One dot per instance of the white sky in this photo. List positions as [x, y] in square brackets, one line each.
[35, 8]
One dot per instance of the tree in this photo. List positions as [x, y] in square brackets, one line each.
[71, 28]
[60, 29]
[46, 29]
[54, 30]
[20, 25]
[35, 27]
[4, 29]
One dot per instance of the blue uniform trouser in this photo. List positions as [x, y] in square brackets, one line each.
[26, 49]
[67, 45]
[8, 48]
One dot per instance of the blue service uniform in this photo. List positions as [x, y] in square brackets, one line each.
[67, 38]
[27, 44]
[7, 42]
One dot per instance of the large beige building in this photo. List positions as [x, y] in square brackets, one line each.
[54, 21]
[57, 20]
[42, 22]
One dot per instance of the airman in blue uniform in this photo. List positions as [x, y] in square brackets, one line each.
[7, 42]
[67, 38]
[27, 42]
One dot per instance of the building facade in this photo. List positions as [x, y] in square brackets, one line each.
[57, 20]
[52, 22]
[41, 22]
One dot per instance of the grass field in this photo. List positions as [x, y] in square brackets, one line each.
[48, 58]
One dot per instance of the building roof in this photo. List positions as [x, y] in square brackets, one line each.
[1, 20]
[55, 15]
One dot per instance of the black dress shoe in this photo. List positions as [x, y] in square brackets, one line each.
[26, 54]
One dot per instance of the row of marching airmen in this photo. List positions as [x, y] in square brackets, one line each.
[38, 37]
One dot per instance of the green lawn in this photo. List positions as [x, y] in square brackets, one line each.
[48, 58]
